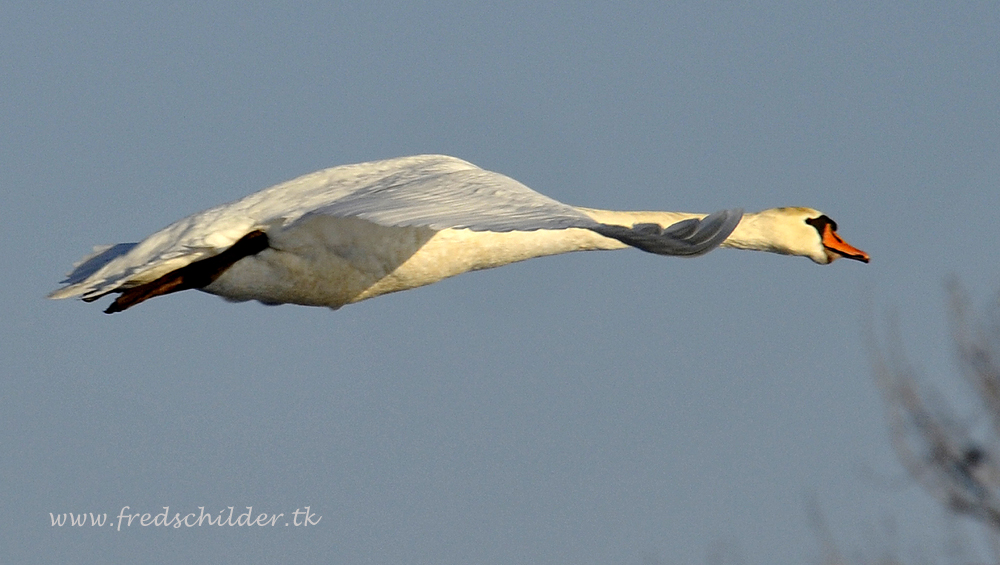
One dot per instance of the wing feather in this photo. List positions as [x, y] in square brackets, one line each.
[476, 199]
[688, 238]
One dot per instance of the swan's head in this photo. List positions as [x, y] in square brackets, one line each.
[802, 231]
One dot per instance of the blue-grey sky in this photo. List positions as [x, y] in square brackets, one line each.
[612, 407]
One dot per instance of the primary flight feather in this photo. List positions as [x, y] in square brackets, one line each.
[353, 232]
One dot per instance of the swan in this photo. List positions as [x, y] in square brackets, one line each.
[354, 232]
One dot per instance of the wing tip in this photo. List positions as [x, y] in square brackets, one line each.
[688, 238]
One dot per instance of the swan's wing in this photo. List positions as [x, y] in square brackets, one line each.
[465, 196]
[470, 198]
[688, 238]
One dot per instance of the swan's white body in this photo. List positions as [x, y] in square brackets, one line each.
[353, 232]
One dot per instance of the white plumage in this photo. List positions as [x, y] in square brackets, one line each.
[352, 232]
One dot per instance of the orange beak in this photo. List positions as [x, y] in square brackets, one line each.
[834, 243]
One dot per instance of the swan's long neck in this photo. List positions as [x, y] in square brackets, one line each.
[757, 232]
[753, 231]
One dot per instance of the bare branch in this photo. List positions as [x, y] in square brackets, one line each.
[941, 455]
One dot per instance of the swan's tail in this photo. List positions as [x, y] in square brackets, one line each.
[75, 281]
[687, 238]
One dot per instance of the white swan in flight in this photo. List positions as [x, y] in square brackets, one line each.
[348, 233]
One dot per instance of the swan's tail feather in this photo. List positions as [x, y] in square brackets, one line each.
[687, 238]
[101, 256]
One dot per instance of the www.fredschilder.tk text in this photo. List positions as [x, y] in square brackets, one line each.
[165, 519]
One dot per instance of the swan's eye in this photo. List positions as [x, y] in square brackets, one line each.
[821, 222]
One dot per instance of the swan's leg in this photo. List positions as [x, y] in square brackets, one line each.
[196, 275]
